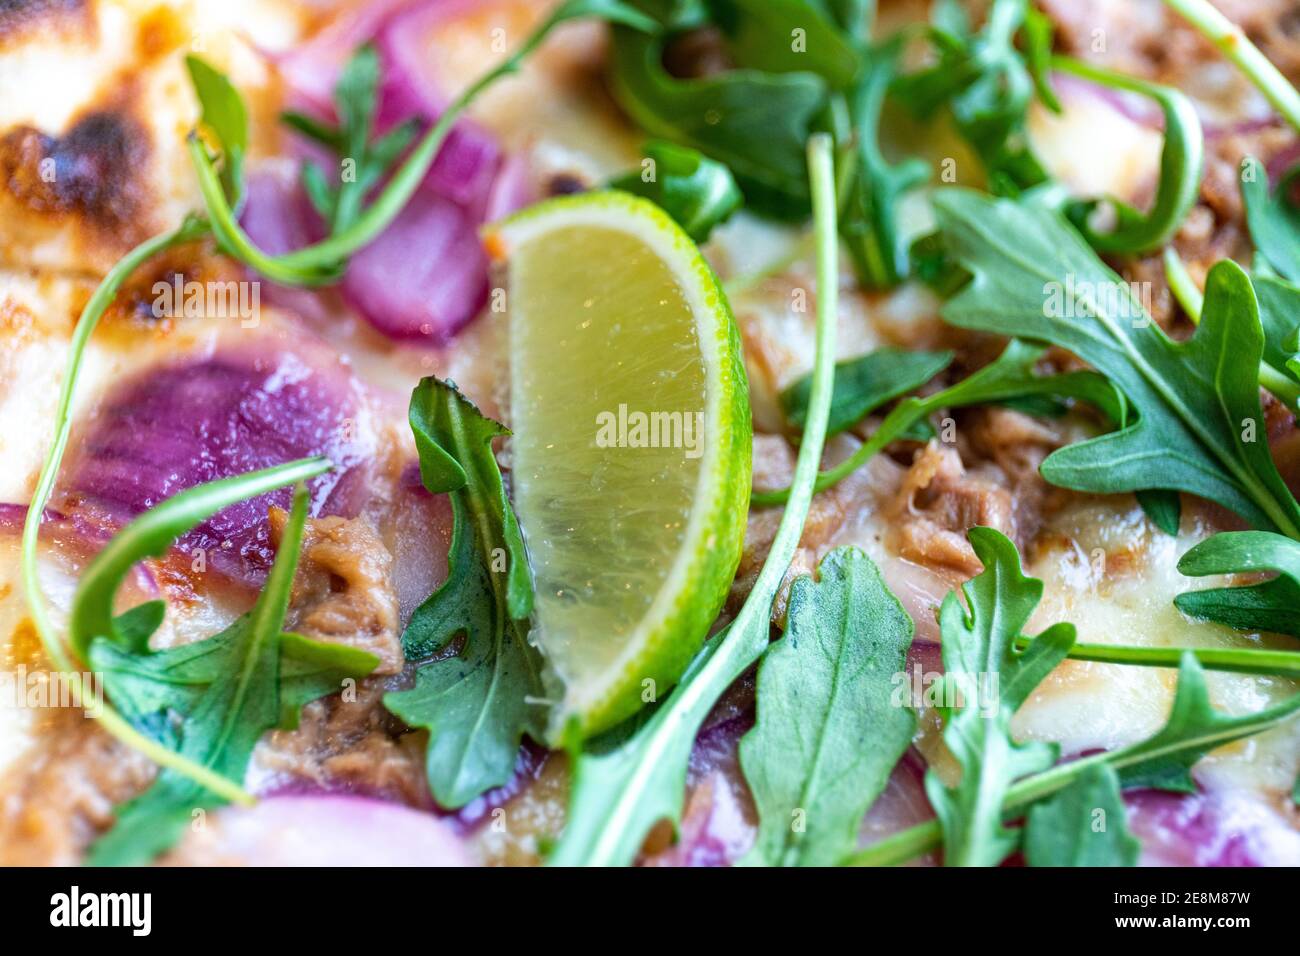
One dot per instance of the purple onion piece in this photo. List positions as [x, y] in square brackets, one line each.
[1213, 828]
[177, 426]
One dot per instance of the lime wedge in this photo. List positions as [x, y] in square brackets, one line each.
[631, 455]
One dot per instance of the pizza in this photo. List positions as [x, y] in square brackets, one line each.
[505, 432]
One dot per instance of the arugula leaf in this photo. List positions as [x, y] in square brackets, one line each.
[478, 703]
[785, 36]
[1197, 401]
[870, 216]
[1163, 507]
[978, 649]
[1084, 824]
[757, 123]
[1279, 313]
[827, 733]
[1193, 729]
[356, 100]
[214, 722]
[224, 113]
[864, 384]
[697, 192]
[1182, 160]
[618, 794]
[1272, 605]
[984, 82]
[854, 17]
[1010, 378]
[1273, 218]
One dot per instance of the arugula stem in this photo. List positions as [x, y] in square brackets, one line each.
[1239, 660]
[1182, 160]
[1232, 42]
[191, 229]
[1182, 285]
[1283, 386]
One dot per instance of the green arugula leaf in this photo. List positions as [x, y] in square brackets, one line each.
[756, 123]
[478, 703]
[639, 779]
[983, 80]
[697, 192]
[355, 99]
[212, 701]
[1279, 313]
[1182, 160]
[1193, 729]
[1273, 218]
[1272, 605]
[864, 384]
[854, 17]
[785, 36]
[828, 732]
[979, 649]
[1009, 379]
[224, 113]
[1084, 824]
[870, 217]
[1200, 428]
[1163, 507]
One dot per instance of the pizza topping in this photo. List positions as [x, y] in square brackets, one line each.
[177, 426]
[343, 592]
[396, 232]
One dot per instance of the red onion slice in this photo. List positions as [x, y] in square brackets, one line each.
[425, 277]
[1220, 828]
[177, 426]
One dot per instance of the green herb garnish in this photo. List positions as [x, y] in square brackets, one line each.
[210, 701]
[1084, 824]
[1272, 605]
[992, 679]
[697, 192]
[477, 703]
[828, 731]
[864, 384]
[1010, 378]
[1193, 729]
[1199, 428]
[1182, 160]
